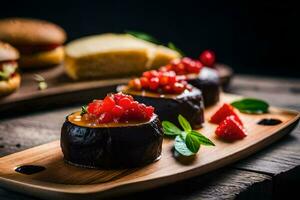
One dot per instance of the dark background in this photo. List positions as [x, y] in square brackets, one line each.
[254, 37]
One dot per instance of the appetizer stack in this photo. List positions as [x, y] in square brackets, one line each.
[117, 132]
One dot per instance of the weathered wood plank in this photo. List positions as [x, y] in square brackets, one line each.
[222, 184]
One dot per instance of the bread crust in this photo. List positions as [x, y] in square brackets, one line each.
[25, 31]
[7, 52]
[42, 59]
[10, 85]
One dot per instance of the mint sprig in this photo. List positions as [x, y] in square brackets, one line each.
[251, 106]
[187, 141]
[83, 110]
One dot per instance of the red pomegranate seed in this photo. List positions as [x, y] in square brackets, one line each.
[125, 103]
[149, 111]
[163, 80]
[117, 111]
[144, 82]
[178, 88]
[154, 83]
[108, 103]
[94, 108]
[135, 84]
[167, 89]
[105, 118]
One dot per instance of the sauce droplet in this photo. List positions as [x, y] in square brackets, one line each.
[269, 122]
[29, 169]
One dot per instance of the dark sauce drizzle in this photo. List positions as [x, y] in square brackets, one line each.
[269, 122]
[29, 169]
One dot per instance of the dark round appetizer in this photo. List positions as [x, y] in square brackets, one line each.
[209, 83]
[204, 78]
[117, 132]
[169, 94]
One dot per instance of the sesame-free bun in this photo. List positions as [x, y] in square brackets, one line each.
[113, 55]
[7, 52]
[23, 31]
[42, 59]
[10, 85]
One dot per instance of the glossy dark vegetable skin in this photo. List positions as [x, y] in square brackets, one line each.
[190, 105]
[112, 147]
[208, 82]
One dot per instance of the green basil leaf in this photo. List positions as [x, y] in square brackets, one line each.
[171, 45]
[170, 128]
[83, 110]
[202, 139]
[181, 147]
[143, 36]
[184, 124]
[251, 105]
[192, 143]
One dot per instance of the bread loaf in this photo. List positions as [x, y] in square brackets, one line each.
[113, 55]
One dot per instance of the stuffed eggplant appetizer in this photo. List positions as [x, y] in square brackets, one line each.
[204, 78]
[117, 132]
[169, 94]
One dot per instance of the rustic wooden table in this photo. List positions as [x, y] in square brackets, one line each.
[273, 173]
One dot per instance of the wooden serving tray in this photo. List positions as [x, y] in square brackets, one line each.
[63, 91]
[61, 180]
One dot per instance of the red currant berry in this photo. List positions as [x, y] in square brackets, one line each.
[207, 58]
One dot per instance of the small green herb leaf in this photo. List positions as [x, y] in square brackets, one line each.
[171, 45]
[143, 36]
[42, 85]
[181, 147]
[251, 105]
[83, 110]
[202, 139]
[39, 78]
[192, 143]
[170, 128]
[184, 124]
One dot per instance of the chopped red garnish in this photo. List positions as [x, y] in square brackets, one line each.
[223, 112]
[208, 58]
[230, 129]
[161, 82]
[184, 66]
[118, 108]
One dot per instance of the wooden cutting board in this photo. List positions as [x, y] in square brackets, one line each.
[60, 180]
[63, 91]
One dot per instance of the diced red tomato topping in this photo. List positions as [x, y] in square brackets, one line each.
[161, 82]
[118, 108]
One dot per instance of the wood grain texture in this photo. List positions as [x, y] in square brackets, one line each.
[62, 180]
[63, 91]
